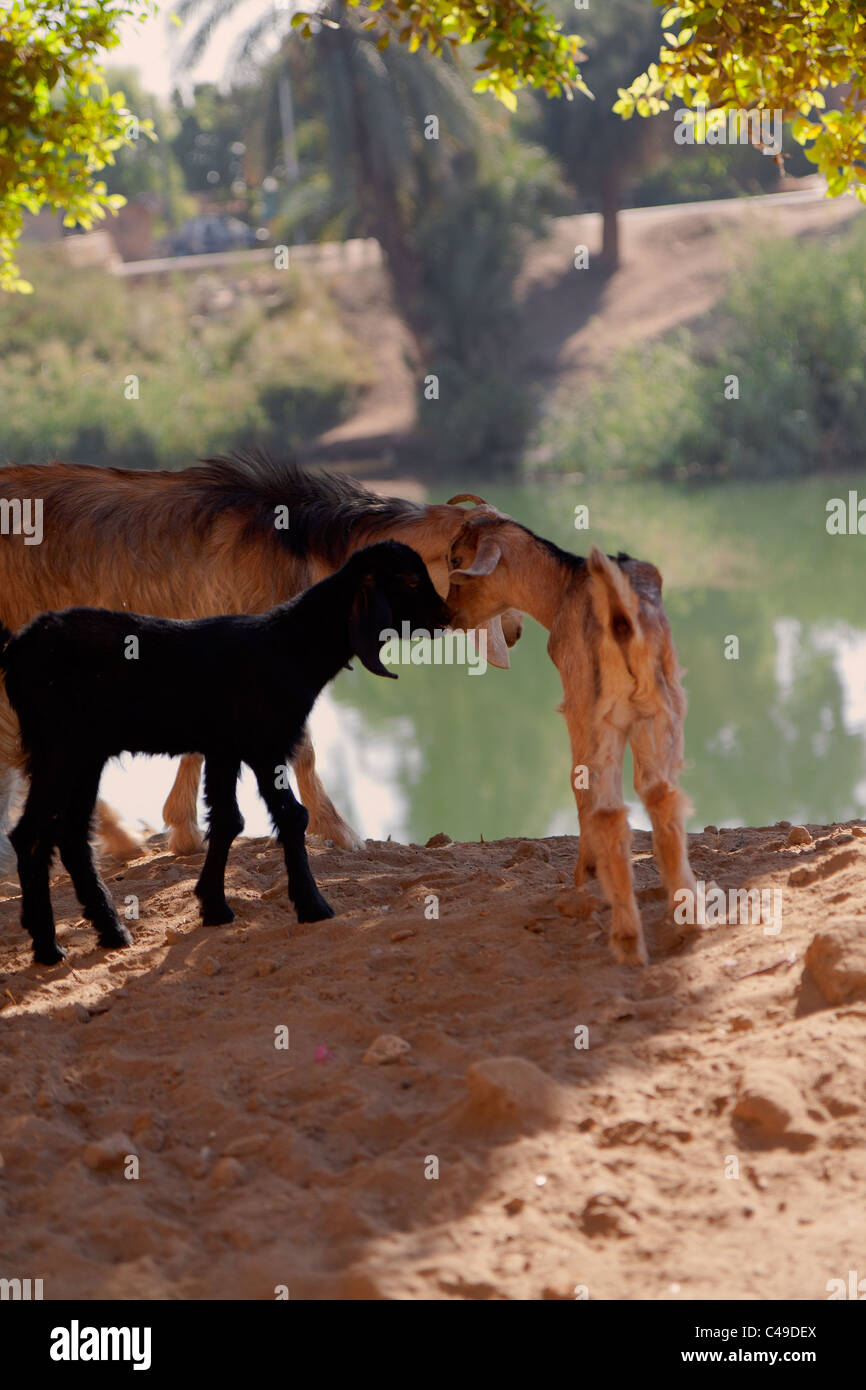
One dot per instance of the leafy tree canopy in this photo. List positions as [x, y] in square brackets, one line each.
[522, 44]
[779, 55]
[59, 124]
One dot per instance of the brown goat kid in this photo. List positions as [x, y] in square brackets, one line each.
[234, 535]
[611, 643]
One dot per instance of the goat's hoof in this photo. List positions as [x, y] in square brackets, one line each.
[119, 843]
[185, 839]
[114, 935]
[51, 954]
[217, 915]
[629, 950]
[341, 835]
[315, 912]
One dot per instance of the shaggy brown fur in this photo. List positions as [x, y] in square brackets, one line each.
[612, 646]
[198, 543]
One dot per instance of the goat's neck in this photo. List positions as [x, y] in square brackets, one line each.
[541, 586]
[322, 615]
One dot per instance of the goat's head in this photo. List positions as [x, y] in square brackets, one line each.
[392, 587]
[480, 561]
[502, 631]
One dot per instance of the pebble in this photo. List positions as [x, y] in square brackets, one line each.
[511, 1089]
[108, 1153]
[439, 841]
[770, 1101]
[528, 849]
[227, 1172]
[799, 835]
[386, 1048]
[606, 1215]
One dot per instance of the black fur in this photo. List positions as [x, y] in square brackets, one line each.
[326, 509]
[237, 688]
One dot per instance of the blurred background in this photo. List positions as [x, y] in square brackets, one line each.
[583, 290]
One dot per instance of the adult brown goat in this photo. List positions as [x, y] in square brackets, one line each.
[232, 535]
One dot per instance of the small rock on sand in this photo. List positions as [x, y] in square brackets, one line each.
[226, 1173]
[799, 835]
[575, 902]
[511, 1089]
[771, 1103]
[528, 849]
[836, 960]
[108, 1153]
[386, 1048]
[606, 1215]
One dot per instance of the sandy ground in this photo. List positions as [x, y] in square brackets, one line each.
[707, 1143]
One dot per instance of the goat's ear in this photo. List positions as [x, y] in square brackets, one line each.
[497, 647]
[487, 557]
[370, 616]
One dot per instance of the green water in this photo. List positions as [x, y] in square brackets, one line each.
[778, 733]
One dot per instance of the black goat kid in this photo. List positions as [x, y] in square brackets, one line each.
[88, 684]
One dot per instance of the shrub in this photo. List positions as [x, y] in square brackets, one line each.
[792, 329]
[256, 370]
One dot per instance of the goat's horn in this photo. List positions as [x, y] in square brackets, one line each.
[467, 497]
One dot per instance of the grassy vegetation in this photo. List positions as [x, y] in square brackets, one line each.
[214, 369]
[792, 329]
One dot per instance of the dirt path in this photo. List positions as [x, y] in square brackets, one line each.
[676, 262]
[609, 1167]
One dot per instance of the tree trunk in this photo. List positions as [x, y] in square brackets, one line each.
[610, 191]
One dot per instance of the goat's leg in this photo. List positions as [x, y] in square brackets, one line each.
[586, 856]
[656, 750]
[581, 738]
[604, 820]
[180, 811]
[224, 823]
[33, 842]
[115, 838]
[73, 841]
[9, 783]
[290, 820]
[325, 819]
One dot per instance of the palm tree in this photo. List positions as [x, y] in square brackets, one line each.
[375, 104]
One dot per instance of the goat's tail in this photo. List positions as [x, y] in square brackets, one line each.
[614, 601]
[617, 607]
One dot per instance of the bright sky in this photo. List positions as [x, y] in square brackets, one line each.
[155, 47]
